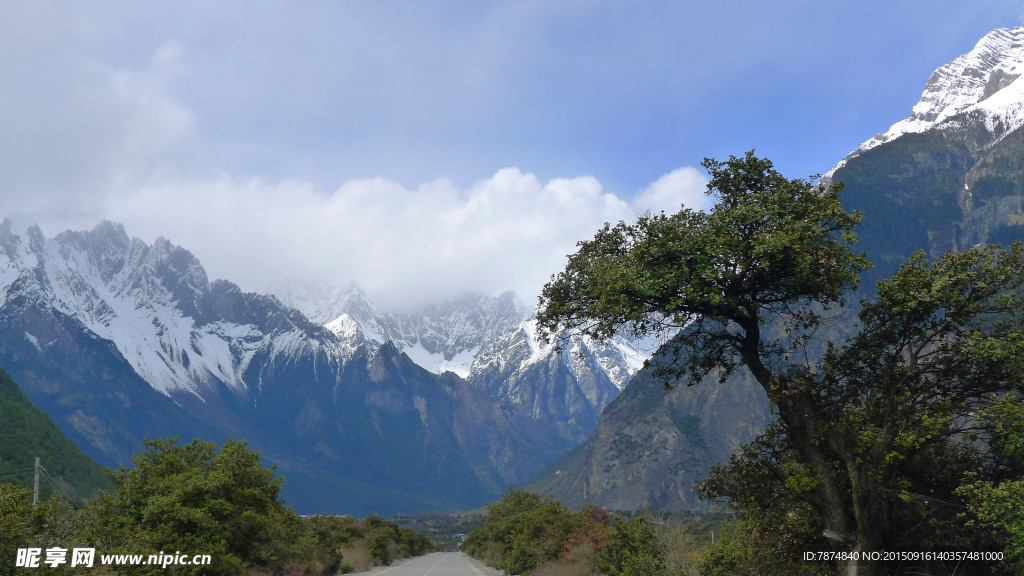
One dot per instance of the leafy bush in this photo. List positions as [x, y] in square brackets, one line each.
[633, 548]
[525, 534]
[50, 523]
[523, 531]
[194, 498]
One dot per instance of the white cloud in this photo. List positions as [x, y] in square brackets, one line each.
[681, 187]
[74, 127]
[406, 246]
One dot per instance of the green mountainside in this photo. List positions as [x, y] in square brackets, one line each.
[26, 433]
[938, 190]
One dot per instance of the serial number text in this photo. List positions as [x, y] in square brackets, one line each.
[903, 556]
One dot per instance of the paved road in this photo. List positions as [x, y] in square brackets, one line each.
[436, 564]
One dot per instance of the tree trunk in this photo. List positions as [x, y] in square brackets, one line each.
[800, 416]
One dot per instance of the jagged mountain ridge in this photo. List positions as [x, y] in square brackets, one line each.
[179, 332]
[490, 341]
[444, 336]
[118, 340]
[568, 388]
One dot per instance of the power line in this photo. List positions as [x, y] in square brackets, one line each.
[13, 470]
[26, 473]
[53, 483]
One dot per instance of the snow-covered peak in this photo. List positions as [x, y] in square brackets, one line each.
[153, 302]
[441, 337]
[464, 335]
[323, 301]
[523, 346]
[986, 80]
[17, 256]
[991, 67]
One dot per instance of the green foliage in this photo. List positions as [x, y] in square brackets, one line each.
[768, 244]
[525, 534]
[883, 419]
[523, 531]
[999, 508]
[198, 499]
[633, 548]
[50, 523]
[386, 540]
[333, 544]
[194, 498]
[996, 503]
[378, 549]
[753, 549]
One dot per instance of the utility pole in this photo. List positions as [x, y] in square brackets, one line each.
[35, 491]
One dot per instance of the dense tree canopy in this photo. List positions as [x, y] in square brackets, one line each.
[874, 431]
[769, 249]
[194, 497]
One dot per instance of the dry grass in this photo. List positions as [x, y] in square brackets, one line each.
[358, 558]
[490, 555]
[683, 550]
[581, 561]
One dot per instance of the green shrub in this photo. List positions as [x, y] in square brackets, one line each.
[634, 547]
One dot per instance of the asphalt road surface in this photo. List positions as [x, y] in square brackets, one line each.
[436, 564]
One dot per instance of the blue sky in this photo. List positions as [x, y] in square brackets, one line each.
[425, 148]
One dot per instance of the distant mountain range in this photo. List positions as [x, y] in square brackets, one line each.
[364, 411]
[948, 177]
[491, 342]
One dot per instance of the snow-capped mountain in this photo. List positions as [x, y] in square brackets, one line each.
[982, 87]
[949, 176]
[178, 331]
[568, 388]
[491, 342]
[117, 340]
[619, 359]
[441, 337]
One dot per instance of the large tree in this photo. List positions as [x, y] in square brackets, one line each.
[751, 282]
[195, 499]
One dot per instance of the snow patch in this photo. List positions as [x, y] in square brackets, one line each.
[34, 341]
[438, 364]
[987, 80]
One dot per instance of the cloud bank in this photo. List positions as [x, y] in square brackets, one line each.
[405, 246]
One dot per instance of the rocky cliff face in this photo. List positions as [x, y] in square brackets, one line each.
[652, 447]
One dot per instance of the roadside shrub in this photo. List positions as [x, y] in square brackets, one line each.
[633, 547]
